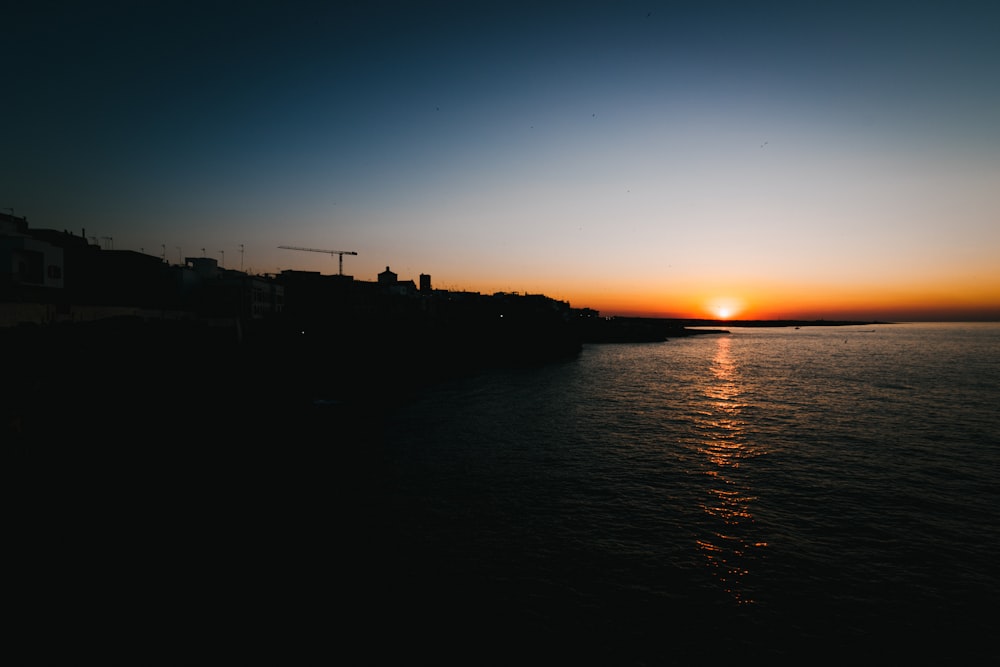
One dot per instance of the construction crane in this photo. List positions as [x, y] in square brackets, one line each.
[328, 252]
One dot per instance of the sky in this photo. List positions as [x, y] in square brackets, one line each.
[666, 159]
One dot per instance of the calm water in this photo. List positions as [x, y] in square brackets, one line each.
[772, 493]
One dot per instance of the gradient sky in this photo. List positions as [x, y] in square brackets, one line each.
[791, 159]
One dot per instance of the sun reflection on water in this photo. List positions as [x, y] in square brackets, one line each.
[728, 549]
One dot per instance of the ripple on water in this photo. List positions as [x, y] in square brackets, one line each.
[787, 483]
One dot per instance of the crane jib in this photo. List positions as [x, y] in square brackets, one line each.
[341, 253]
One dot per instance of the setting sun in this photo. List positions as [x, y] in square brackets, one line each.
[724, 308]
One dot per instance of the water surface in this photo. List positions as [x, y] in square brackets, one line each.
[770, 492]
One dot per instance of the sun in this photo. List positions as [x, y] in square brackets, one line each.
[725, 308]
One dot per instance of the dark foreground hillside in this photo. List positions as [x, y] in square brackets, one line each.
[178, 497]
[175, 485]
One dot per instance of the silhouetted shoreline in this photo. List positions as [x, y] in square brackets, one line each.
[636, 330]
[773, 323]
[119, 375]
[652, 329]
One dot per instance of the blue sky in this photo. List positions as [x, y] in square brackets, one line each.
[630, 156]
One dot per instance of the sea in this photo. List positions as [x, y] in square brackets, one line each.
[813, 495]
[785, 494]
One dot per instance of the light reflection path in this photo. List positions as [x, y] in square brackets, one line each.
[728, 550]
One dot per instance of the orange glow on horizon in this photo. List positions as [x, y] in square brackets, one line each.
[732, 291]
[801, 302]
[717, 296]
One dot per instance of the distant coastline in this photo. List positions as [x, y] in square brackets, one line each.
[655, 329]
[771, 323]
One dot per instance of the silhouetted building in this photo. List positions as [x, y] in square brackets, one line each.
[47, 276]
[214, 292]
[310, 294]
[27, 262]
[403, 288]
[387, 277]
[55, 276]
[96, 277]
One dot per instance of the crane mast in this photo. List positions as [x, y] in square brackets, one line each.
[327, 252]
